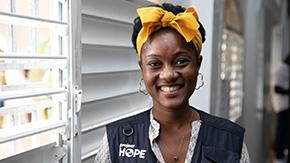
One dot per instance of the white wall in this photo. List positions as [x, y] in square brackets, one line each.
[201, 98]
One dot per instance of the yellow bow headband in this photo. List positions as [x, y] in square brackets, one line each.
[153, 18]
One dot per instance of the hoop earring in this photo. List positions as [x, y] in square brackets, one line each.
[202, 82]
[140, 87]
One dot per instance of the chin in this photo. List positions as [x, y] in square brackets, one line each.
[173, 104]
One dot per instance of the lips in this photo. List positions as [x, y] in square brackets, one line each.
[170, 88]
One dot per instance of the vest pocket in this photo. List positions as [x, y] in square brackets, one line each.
[219, 155]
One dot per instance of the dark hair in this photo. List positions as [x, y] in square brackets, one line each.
[175, 9]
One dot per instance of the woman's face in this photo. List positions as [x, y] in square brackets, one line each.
[169, 68]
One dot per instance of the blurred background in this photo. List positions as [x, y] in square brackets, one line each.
[48, 47]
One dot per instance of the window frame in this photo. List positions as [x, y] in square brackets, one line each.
[66, 148]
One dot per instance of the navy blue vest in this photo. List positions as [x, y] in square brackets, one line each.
[219, 140]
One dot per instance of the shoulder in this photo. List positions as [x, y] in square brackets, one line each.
[245, 158]
[220, 134]
[282, 68]
[280, 77]
[103, 152]
[128, 138]
[138, 118]
[221, 124]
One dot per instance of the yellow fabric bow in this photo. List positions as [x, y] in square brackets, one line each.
[153, 18]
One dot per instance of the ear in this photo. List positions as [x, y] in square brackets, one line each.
[140, 65]
[199, 61]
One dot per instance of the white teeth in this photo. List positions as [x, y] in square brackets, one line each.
[170, 89]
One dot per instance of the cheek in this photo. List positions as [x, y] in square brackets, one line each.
[191, 75]
[193, 79]
[150, 78]
[147, 76]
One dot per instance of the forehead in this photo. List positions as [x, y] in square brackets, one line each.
[166, 41]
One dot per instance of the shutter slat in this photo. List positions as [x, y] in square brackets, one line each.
[91, 140]
[120, 58]
[36, 127]
[103, 124]
[97, 31]
[112, 71]
[89, 155]
[31, 65]
[103, 110]
[30, 93]
[110, 97]
[119, 10]
[25, 86]
[26, 108]
[106, 19]
[30, 56]
[109, 47]
[102, 86]
[9, 18]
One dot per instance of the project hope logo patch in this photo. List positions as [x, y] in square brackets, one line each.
[129, 150]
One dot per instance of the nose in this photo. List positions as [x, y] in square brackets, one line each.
[168, 73]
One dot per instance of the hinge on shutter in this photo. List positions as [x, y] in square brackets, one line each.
[77, 107]
[59, 153]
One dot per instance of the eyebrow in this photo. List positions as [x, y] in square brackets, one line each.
[176, 54]
[152, 55]
[181, 52]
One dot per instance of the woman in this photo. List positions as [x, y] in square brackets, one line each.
[168, 40]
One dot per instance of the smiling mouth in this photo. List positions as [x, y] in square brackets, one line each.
[170, 89]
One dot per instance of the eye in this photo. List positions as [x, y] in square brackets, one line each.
[154, 64]
[181, 62]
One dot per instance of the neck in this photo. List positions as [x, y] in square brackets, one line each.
[174, 118]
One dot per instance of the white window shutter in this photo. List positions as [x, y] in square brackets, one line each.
[60, 88]
[110, 71]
